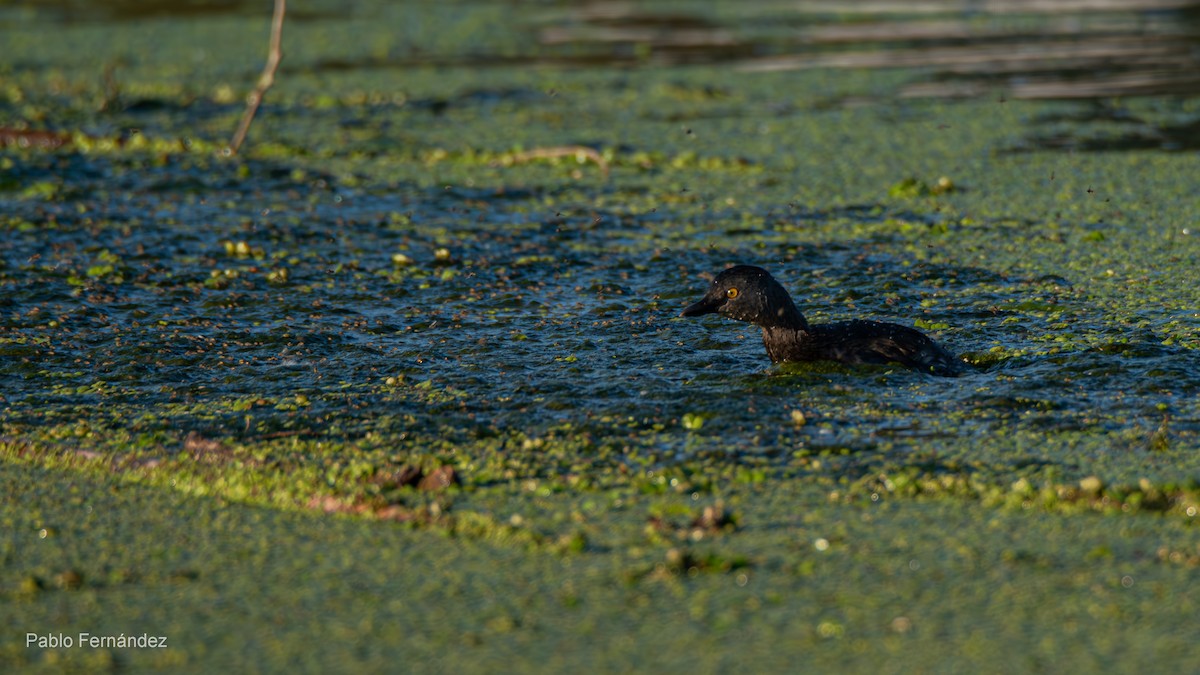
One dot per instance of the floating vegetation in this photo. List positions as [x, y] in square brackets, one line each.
[412, 362]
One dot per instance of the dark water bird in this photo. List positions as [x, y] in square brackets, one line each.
[751, 294]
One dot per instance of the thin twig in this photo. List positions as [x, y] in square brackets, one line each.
[112, 88]
[579, 152]
[274, 54]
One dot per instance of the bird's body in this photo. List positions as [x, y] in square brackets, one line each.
[751, 294]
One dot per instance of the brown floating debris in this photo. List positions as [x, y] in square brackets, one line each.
[411, 475]
[393, 512]
[581, 153]
[440, 479]
[714, 519]
[205, 449]
[406, 476]
[33, 138]
[70, 579]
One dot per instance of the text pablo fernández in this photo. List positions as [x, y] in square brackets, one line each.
[83, 640]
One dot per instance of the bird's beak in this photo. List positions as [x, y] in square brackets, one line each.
[706, 306]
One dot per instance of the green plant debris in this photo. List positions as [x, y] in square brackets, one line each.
[383, 371]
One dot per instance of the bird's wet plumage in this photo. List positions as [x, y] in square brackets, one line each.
[751, 294]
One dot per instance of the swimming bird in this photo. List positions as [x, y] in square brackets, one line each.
[751, 294]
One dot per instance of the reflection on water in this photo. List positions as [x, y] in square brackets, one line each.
[1027, 49]
[963, 48]
[1125, 132]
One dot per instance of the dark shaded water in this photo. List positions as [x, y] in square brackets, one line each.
[130, 304]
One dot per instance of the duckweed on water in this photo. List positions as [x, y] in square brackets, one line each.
[375, 373]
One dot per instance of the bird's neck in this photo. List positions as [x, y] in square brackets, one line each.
[787, 343]
[786, 318]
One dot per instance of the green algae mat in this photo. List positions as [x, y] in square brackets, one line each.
[403, 386]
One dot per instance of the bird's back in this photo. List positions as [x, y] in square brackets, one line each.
[861, 342]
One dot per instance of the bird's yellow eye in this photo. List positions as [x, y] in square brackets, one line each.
[731, 293]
